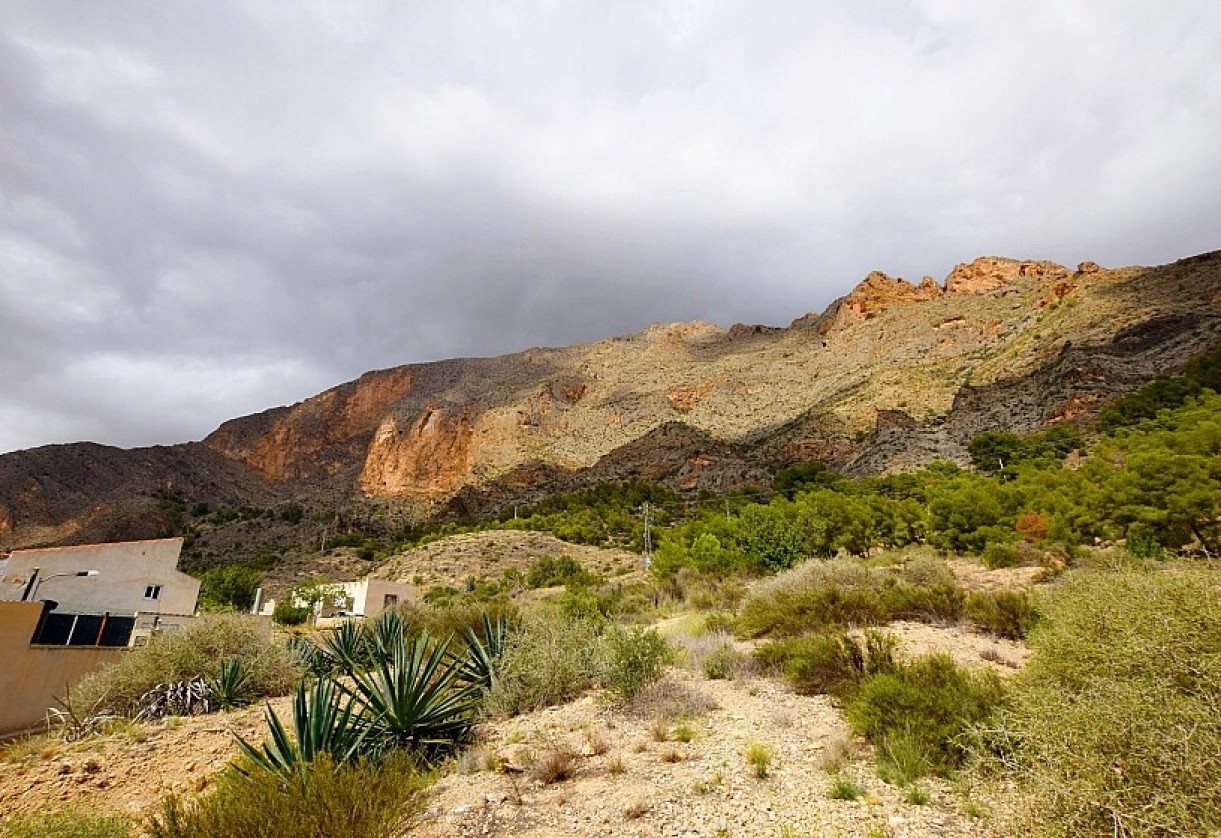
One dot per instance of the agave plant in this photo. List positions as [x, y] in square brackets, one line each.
[310, 656]
[384, 632]
[416, 700]
[232, 686]
[346, 647]
[188, 697]
[323, 723]
[482, 654]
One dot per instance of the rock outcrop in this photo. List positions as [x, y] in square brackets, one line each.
[991, 272]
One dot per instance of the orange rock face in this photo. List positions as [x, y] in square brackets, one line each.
[431, 457]
[283, 444]
[989, 272]
[878, 292]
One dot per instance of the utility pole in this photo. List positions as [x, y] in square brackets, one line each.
[648, 535]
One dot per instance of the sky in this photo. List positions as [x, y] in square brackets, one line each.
[210, 209]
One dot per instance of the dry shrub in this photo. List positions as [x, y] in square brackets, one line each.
[670, 700]
[366, 799]
[927, 572]
[993, 655]
[636, 809]
[715, 655]
[1009, 614]
[838, 752]
[195, 651]
[555, 766]
[548, 660]
[1113, 726]
[69, 822]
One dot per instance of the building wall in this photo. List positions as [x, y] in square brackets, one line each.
[125, 570]
[376, 592]
[33, 676]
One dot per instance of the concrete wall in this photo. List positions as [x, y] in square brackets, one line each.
[32, 676]
[125, 570]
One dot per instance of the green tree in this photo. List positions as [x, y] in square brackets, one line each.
[233, 587]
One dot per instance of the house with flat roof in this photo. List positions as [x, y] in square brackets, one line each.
[67, 611]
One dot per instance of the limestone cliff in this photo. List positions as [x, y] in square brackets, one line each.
[891, 375]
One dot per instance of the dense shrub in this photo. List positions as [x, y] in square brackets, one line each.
[813, 595]
[1008, 614]
[635, 658]
[917, 713]
[936, 604]
[548, 572]
[287, 614]
[842, 592]
[548, 660]
[363, 798]
[195, 651]
[1113, 726]
[66, 823]
[998, 554]
[830, 663]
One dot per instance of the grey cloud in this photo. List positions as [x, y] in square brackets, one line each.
[210, 209]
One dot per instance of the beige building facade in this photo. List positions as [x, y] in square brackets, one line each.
[34, 676]
[125, 577]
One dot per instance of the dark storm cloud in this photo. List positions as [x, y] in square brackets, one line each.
[210, 209]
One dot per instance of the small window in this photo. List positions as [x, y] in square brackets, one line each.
[390, 601]
[152, 592]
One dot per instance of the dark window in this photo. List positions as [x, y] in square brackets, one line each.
[152, 592]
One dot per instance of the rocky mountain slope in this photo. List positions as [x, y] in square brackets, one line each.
[891, 376]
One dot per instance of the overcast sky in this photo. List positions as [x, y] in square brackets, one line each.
[209, 209]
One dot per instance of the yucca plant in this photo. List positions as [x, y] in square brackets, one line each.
[310, 656]
[232, 686]
[416, 700]
[323, 722]
[383, 632]
[346, 647]
[482, 654]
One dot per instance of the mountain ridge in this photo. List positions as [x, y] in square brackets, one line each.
[889, 376]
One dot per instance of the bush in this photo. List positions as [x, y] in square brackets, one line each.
[1113, 726]
[549, 572]
[1003, 613]
[813, 595]
[997, 555]
[363, 798]
[930, 703]
[941, 603]
[287, 614]
[831, 663]
[194, 652]
[724, 662]
[66, 823]
[635, 658]
[819, 595]
[549, 660]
